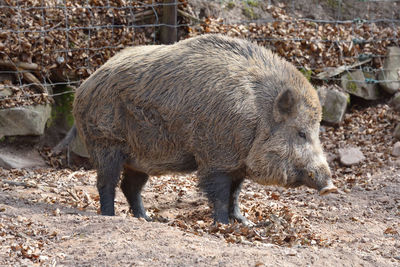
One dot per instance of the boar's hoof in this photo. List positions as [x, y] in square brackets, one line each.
[328, 189]
[248, 223]
[139, 215]
[241, 219]
[147, 218]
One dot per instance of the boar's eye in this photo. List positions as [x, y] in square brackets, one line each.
[302, 134]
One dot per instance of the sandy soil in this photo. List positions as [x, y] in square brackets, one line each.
[49, 217]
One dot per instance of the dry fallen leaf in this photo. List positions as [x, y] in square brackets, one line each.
[390, 231]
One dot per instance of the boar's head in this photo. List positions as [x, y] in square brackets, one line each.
[286, 150]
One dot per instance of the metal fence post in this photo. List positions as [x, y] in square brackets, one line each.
[168, 34]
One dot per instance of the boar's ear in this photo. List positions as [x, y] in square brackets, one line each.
[285, 105]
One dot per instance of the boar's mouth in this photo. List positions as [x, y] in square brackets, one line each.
[323, 186]
[330, 188]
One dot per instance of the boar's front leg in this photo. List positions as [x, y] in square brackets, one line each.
[131, 185]
[234, 210]
[217, 187]
[223, 191]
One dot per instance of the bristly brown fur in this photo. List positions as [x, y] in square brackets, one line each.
[225, 107]
[202, 98]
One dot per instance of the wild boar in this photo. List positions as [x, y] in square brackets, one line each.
[224, 107]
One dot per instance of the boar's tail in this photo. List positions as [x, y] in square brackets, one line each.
[66, 141]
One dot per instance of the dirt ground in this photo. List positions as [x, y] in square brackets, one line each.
[49, 218]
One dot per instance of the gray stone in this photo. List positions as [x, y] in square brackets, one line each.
[5, 91]
[395, 101]
[334, 104]
[355, 83]
[396, 132]
[230, 11]
[396, 149]
[395, 163]
[20, 159]
[24, 120]
[350, 156]
[391, 71]
[78, 147]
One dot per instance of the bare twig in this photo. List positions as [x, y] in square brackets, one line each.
[140, 16]
[336, 71]
[23, 67]
[15, 183]
[185, 14]
[74, 196]
[19, 65]
[27, 66]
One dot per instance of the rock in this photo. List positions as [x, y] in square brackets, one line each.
[11, 159]
[396, 132]
[395, 163]
[330, 157]
[230, 11]
[391, 71]
[395, 101]
[5, 91]
[396, 149]
[78, 147]
[24, 120]
[350, 156]
[356, 83]
[334, 104]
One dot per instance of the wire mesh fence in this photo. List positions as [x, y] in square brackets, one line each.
[317, 42]
[59, 43]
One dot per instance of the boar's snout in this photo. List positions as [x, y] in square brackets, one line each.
[329, 188]
[321, 180]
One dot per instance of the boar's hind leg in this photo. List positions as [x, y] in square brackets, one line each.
[108, 164]
[132, 184]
